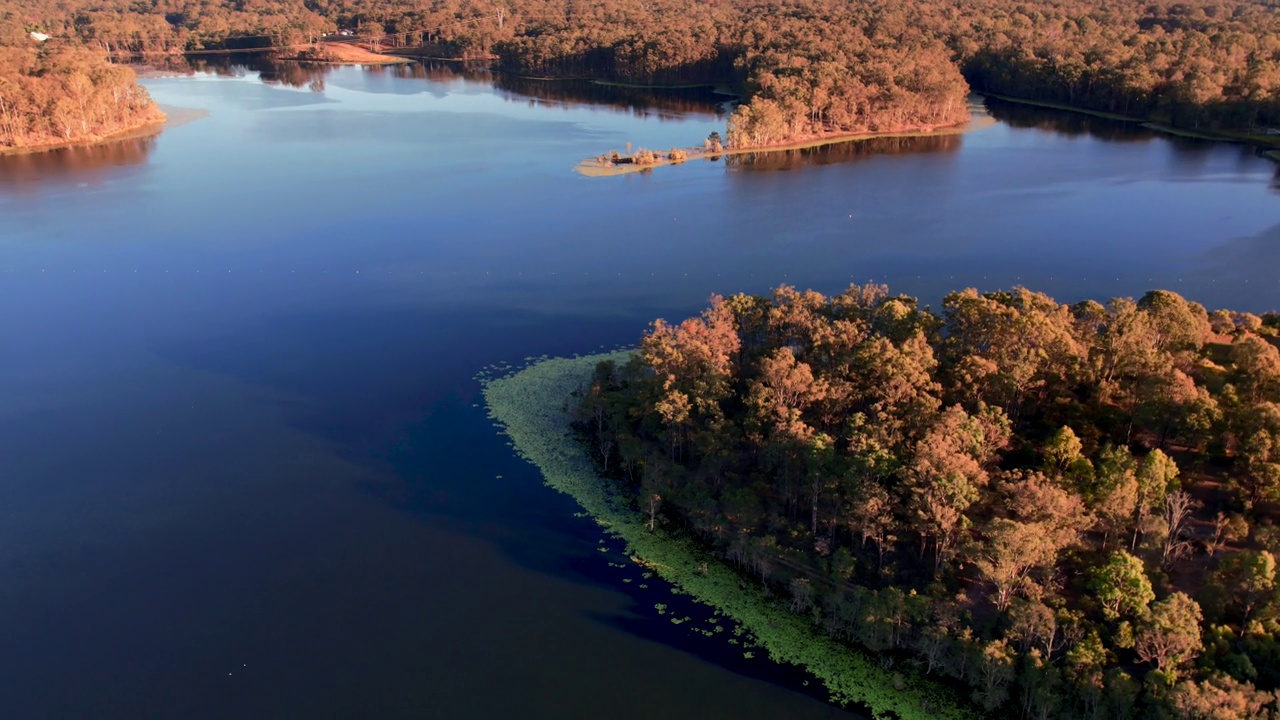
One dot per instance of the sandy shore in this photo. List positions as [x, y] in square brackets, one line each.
[181, 115]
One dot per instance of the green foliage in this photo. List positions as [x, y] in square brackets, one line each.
[1248, 580]
[1121, 587]
[1062, 449]
[1169, 634]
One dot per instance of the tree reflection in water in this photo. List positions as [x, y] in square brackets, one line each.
[85, 162]
[841, 152]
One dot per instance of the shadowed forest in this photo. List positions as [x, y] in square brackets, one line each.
[806, 68]
[1072, 510]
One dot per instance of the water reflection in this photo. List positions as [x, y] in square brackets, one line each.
[662, 104]
[644, 102]
[844, 152]
[293, 74]
[1071, 124]
[271, 71]
[442, 72]
[89, 163]
[1192, 156]
[677, 103]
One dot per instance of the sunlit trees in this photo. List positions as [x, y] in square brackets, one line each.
[1220, 697]
[372, 32]
[59, 92]
[1045, 519]
[1249, 579]
[953, 484]
[1114, 495]
[1157, 476]
[806, 67]
[1169, 634]
[948, 473]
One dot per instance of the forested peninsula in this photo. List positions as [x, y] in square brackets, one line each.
[1070, 511]
[58, 92]
[805, 68]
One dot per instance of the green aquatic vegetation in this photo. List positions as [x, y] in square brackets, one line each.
[530, 406]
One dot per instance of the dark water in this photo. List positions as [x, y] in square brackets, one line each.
[241, 469]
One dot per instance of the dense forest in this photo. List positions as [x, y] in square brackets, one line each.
[59, 91]
[805, 67]
[1071, 510]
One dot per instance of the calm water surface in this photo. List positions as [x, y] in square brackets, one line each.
[242, 472]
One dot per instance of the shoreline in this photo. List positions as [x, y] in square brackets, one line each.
[979, 119]
[171, 116]
[147, 128]
[408, 54]
[1268, 145]
[718, 88]
[531, 408]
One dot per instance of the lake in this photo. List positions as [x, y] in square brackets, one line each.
[243, 469]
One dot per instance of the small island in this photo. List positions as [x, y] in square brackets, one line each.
[715, 147]
[1009, 506]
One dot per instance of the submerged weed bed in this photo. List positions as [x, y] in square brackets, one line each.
[531, 406]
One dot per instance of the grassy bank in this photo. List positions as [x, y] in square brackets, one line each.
[340, 53]
[532, 404]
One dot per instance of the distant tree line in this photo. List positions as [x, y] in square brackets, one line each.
[1070, 509]
[806, 67]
